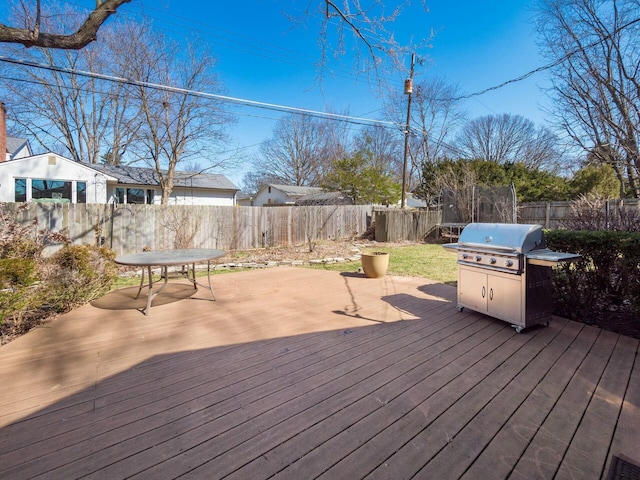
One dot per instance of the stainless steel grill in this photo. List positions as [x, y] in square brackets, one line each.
[504, 270]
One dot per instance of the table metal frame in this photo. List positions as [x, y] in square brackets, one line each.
[166, 258]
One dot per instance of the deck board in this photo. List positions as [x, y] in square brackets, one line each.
[589, 446]
[296, 373]
[547, 449]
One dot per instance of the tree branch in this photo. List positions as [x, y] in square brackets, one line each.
[346, 20]
[86, 34]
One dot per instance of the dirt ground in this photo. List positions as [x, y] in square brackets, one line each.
[320, 251]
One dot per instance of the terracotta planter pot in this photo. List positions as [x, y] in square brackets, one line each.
[375, 264]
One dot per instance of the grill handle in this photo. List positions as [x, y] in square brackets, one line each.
[483, 246]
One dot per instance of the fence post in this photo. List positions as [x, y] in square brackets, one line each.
[547, 220]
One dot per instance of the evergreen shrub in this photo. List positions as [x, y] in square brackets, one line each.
[605, 280]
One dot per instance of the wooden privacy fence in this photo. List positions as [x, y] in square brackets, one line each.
[399, 225]
[132, 228]
[552, 214]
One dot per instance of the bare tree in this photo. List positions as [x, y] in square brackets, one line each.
[595, 46]
[436, 112]
[84, 117]
[457, 179]
[35, 33]
[177, 126]
[384, 145]
[508, 139]
[368, 24]
[297, 153]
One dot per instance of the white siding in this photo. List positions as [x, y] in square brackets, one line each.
[51, 167]
[266, 197]
[188, 196]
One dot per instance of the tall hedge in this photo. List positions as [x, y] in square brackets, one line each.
[607, 279]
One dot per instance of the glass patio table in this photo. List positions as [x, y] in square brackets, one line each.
[166, 258]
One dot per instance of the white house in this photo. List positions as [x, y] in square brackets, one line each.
[141, 185]
[52, 178]
[272, 194]
[279, 195]
[18, 148]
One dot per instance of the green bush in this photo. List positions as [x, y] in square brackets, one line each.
[17, 276]
[606, 279]
[77, 274]
[16, 272]
[32, 288]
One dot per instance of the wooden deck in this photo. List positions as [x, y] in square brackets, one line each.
[301, 374]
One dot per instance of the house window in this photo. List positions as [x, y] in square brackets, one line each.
[81, 192]
[51, 191]
[119, 196]
[134, 195]
[21, 189]
[269, 189]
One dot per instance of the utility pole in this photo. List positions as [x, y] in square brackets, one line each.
[408, 90]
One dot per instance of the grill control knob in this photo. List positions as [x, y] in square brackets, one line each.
[492, 260]
[464, 256]
[509, 263]
[478, 258]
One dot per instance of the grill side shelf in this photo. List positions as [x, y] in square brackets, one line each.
[549, 258]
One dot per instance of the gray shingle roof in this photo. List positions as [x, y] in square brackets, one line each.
[14, 144]
[148, 176]
[295, 190]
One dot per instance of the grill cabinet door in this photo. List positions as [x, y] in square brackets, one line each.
[505, 298]
[472, 289]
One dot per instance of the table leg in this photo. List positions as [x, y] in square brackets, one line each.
[209, 279]
[195, 282]
[151, 295]
[150, 292]
[141, 284]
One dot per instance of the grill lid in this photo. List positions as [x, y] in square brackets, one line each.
[513, 237]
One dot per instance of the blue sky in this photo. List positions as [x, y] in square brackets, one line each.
[265, 57]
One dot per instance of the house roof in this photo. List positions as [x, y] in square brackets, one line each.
[148, 176]
[295, 190]
[15, 144]
[44, 156]
[325, 198]
[415, 202]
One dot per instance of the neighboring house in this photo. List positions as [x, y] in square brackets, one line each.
[244, 199]
[141, 185]
[279, 195]
[18, 148]
[415, 202]
[325, 198]
[11, 147]
[52, 178]
[272, 194]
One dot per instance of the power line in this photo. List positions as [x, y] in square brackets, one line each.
[195, 93]
[548, 66]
